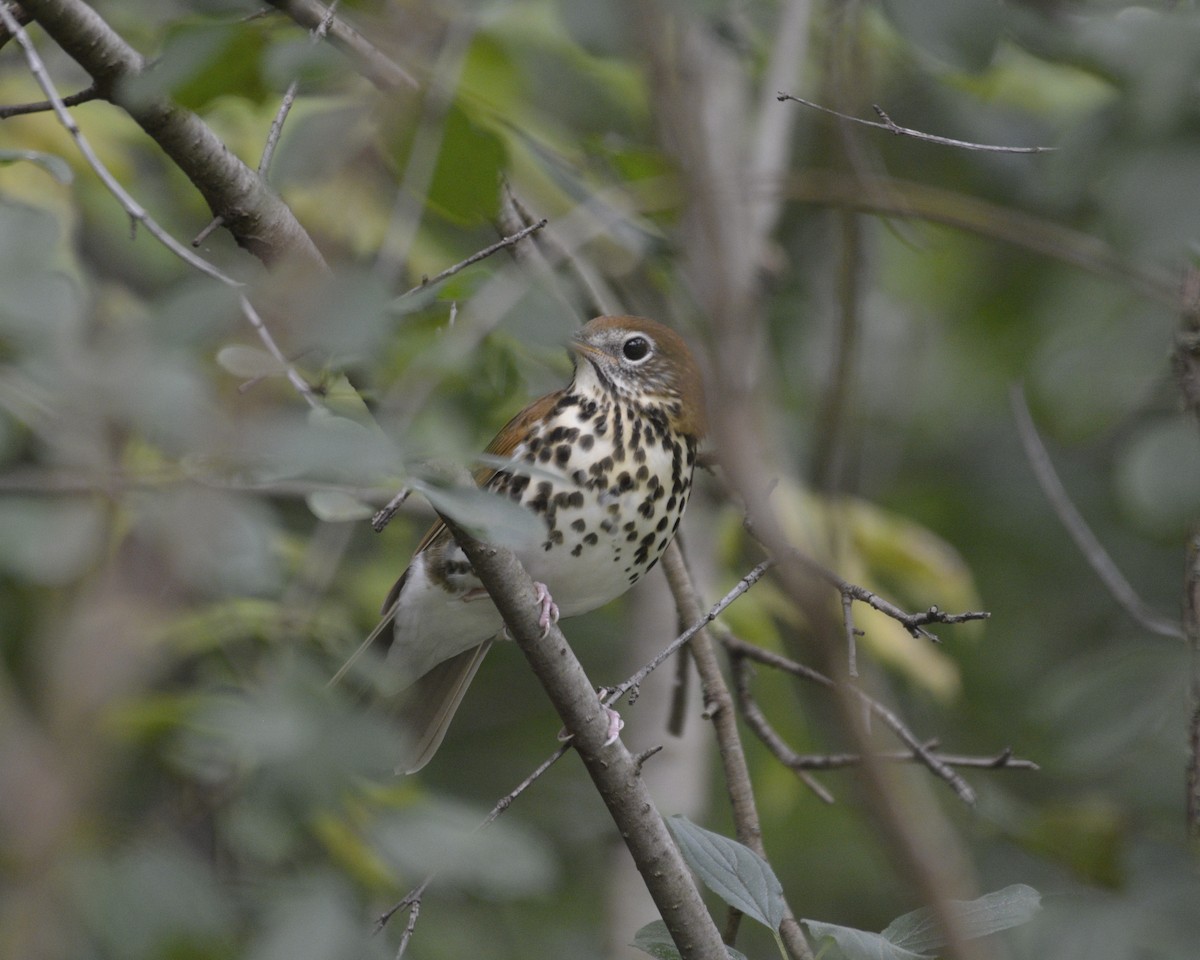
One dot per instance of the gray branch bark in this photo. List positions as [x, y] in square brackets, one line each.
[258, 219]
[612, 768]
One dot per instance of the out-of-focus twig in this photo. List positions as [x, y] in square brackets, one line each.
[1072, 520]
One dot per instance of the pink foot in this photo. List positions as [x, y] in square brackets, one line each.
[615, 723]
[549, 609]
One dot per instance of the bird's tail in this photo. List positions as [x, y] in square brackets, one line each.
[430, 703]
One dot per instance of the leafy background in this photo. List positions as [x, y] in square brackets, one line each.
[183, 563]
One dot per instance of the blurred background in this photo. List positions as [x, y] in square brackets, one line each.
[185, 557]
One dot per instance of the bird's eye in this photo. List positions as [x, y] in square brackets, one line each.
[636, 349]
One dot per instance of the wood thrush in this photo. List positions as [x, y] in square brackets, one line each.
[611, 459]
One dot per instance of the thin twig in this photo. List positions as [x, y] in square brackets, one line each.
[891, 126]
[477, 256]
[1089, 545]
[739, 648]
[273, 134]
[718, 608]
[509, 798]
[370, 61]
[384, 516]
[137, 214]
[85, 95]
[756, 720]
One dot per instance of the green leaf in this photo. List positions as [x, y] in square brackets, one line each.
[654, 939]
[53, 164]
[860, 944]
[482, 514]
[249, 362]
[999, 910]
[466, 182]
[335, 506]
[733, 871]
[916, 936]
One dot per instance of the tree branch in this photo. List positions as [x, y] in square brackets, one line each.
[612, 768]
[259, 221]
[368, 60]
[891, 126]
[1089, 545]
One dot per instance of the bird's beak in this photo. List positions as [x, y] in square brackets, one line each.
[582, 347]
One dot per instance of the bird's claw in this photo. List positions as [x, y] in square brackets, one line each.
[615, 724]
[548, 612]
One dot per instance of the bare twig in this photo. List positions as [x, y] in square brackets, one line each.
[757, 722]
[719, 705]
[258, 219]
[384, 516]
[85, 95]
[610, 765]
[276, 130]
[483, 254]
[740, 588]
[137, 214]
[368, 59]
[904, 198]
[891, 126]
[739, 648]
[1089, 545]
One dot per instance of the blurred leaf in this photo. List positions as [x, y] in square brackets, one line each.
[731, 870]
[49, 541]
[317, 66]
[1087, 835]
[895, 557]
[53, 164]
[154, 900]
[334, 506]
[960, 33]
[991, 913]
[201, 61]
[655, 940]
[218, 542]
[1158, 476]
[505, 861]
[483, 514]
[320, 140]
[466, 181]
[317, 918]
[248, 362]
[916, 935]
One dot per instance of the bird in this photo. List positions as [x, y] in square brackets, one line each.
[605, 464]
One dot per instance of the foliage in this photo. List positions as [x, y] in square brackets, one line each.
[184, 560]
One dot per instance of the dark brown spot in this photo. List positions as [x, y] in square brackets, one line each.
[591, 539]
[586, 441]
[577, 550]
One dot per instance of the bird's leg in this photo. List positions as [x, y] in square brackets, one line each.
[548, 613]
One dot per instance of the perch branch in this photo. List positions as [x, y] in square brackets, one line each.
[612, 768]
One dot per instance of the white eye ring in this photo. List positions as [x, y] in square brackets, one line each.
[637, 348]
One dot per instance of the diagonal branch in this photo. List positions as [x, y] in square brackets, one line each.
[368, 59]
[260, 222]
[1089, 545]
[612, 768]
